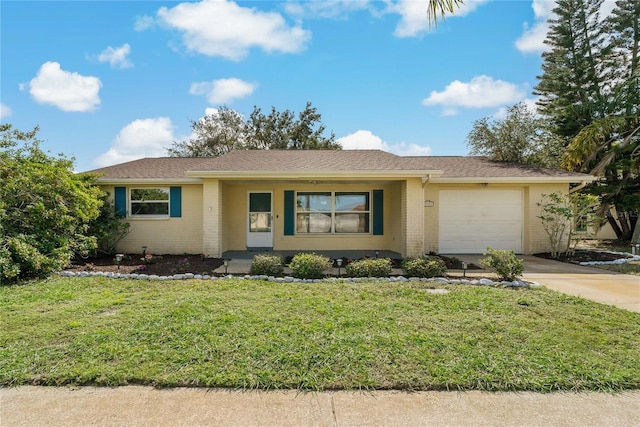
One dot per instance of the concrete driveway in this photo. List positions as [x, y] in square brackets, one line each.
[595, 284]
[621, 290]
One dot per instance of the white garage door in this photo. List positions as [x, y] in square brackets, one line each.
[472, 220]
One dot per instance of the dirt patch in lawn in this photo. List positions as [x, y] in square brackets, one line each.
[161, 265]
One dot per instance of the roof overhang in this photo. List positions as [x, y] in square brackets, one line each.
[148, 181]
[315, 175]
[515, 180]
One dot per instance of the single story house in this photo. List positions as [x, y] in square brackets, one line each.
[314, 200]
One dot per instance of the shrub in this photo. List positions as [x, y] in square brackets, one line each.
[424, 267]
[505, 263]
[309, 265]
[265, 264]
[45, 208]
[369, 267]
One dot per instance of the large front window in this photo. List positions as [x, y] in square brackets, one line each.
[149, 202]
[332, 212]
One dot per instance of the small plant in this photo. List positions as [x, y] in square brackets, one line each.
[424, 267]
[369, 267]
[309, 265]
[270, 265]
[150, 259]
[505, 263]
[183, 265]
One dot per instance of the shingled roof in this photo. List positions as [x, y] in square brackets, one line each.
[325, 162]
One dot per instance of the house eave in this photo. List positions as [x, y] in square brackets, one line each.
[148, 181]
[314, 175]
[514, 180]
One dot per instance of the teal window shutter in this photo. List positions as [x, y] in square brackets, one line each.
[378, 213]
[289, 212]
[175, 199]
[120, 200]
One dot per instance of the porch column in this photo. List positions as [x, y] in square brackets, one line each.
[212, 217]
[413, 217]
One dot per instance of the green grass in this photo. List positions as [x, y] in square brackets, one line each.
[632, 268]
[252, 334]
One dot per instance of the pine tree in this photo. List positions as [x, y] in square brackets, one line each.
[570, 87]
[607, 143]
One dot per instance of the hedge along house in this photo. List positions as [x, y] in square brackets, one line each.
[333, 200]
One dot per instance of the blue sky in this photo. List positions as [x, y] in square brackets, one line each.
[113, 81]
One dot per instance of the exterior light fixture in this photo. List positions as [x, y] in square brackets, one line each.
[226, 265]
[464, 269]
[377, 254]
[119, 259]
[144, 250]
[339, 262]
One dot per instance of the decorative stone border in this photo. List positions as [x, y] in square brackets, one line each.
[288, 279]
[628, 258]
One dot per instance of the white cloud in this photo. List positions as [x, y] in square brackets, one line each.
[481, 92]
[64, 89]
[5, 111]
[144, 22]
[140, 138]
[533, 37]
[331, 9]
[413, 15]
[117, 57]
[222, 28]
[223, 91]
[366, 140]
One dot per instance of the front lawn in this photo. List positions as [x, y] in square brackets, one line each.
[253, 334]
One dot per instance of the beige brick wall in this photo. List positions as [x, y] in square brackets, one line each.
[234, 217]
[167, 235]
[413, 204]
[211, 238]
[536, 239]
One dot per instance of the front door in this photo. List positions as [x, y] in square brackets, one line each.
[259, 221]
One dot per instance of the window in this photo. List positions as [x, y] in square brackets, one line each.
[332, 212]
[149, 201]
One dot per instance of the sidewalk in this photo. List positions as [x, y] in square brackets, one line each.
[145, 406]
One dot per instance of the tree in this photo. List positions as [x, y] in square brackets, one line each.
[227, 130]
[216, 134]
[44, 208]
[566, 218]
[437, 8]
[590, 92]
[570, 87]
[520, 137]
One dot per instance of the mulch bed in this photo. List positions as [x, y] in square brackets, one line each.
[164, 265]
[583, 256]
[168, 265]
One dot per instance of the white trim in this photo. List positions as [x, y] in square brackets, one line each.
[514, 180]
[148, 181]
[248, 220]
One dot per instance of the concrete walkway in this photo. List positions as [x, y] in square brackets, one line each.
[145, 406]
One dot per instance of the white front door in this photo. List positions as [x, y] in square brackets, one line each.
[259, 220]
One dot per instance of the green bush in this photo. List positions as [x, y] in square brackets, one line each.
[505, 263]
[265, 264]
[45, 208]
[370, 267]
[309, 265]
[424, 267]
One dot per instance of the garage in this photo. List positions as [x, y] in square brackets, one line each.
[472, 220]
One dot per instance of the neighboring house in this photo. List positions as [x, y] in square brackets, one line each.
[302, 200]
